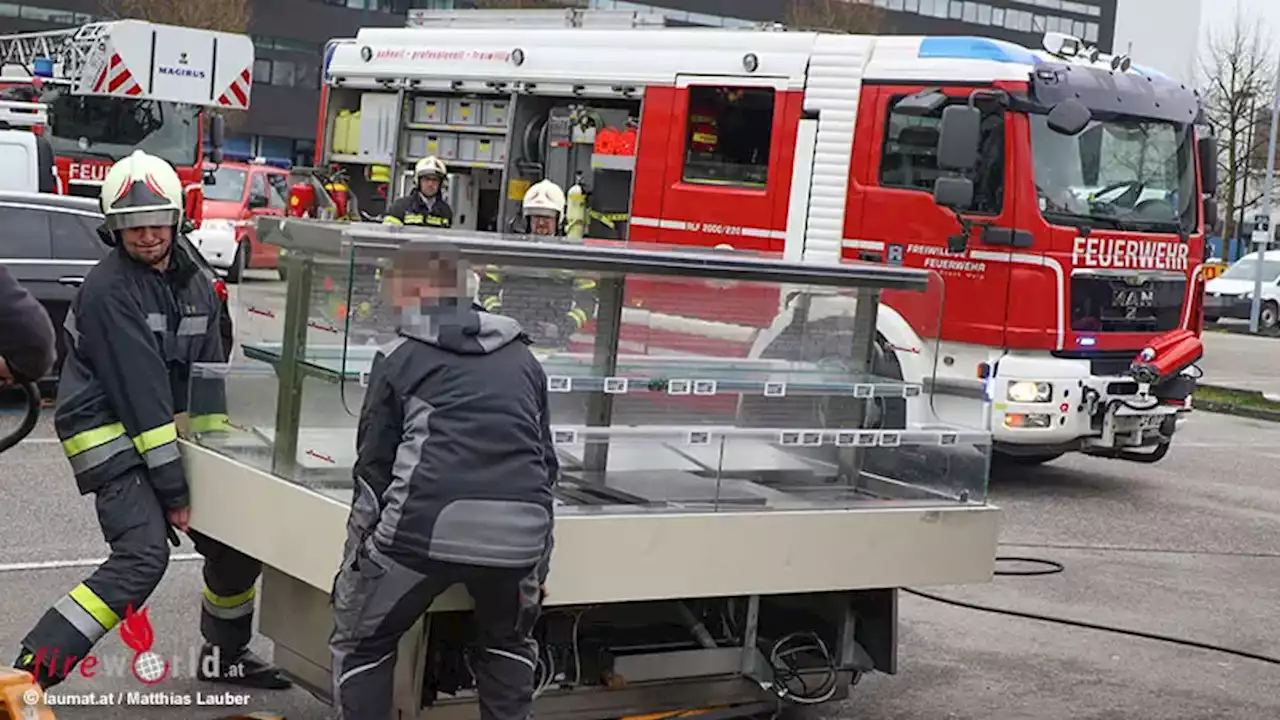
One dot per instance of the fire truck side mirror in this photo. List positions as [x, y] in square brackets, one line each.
[954, 193]
[1211, 218]
[958, 138]
[1208, 148]
[1069, 117]
[215, 156]
[217, 131]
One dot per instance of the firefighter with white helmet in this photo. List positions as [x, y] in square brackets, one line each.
[425, 206]
[543, 207]
[143, 316]
[552, 308]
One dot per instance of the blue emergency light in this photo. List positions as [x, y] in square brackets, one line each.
[42, 67]
[975, 48]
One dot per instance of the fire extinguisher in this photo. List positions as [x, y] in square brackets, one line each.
[575, 215]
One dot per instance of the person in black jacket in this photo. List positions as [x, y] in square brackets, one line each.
[144, 315]
[425, 206]
[453, 479]
[27, 343]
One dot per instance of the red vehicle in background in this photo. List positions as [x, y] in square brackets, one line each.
[114, 87]
[234, 194]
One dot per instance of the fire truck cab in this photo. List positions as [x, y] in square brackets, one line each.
[1060, 195]
[111, 87]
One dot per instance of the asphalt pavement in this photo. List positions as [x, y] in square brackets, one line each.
[1188, 547]
[1242, 361]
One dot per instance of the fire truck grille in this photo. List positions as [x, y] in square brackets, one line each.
[1126, 304]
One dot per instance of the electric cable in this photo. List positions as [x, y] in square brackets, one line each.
[1158, 637]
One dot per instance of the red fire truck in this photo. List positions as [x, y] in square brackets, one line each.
[1060, 194]
[112, 87]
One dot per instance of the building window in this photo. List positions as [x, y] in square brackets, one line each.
[997, 17]
[957, 10]
[730, 132]
[909, 158]
[284, 72]
[1091, 32]
[262, 71]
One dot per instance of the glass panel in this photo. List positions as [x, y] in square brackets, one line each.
[732, 385]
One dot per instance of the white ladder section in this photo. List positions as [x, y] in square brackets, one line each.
[832, 91]
[68, 49]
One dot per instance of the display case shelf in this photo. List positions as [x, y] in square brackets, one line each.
[570, 373]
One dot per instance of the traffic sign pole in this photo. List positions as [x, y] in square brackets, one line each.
[1263, 241]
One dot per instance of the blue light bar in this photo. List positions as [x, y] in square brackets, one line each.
[975, 48]
[42, 67]
[1150, 72]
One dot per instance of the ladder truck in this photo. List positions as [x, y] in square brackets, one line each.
[111, 87]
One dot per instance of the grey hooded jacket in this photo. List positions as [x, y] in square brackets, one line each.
[455, 459]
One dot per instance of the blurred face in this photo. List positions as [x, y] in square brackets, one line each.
[429, 185]
[426, 282]
[542, 225]
[149, 245]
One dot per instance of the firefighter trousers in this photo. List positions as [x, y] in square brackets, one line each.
[135, 526]
[376, 600]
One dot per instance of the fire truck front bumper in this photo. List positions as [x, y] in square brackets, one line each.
[1043, 406]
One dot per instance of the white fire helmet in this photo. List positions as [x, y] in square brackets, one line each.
[141, 190]
[544, 198]
[430, 166]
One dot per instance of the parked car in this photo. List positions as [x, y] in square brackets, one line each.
[1230, 295]
[235, 194]
[49, 242]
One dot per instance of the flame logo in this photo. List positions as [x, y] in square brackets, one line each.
[136, 632]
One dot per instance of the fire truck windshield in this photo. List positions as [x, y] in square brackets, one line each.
[1120, 173]
[111, 128]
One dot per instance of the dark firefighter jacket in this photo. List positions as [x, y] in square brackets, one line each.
[550, 309]
[133, 334]
[413, 209]
[26, 333]
[455, 461]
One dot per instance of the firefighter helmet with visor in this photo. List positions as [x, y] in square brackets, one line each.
[141, 190]
[544, 198]
[431, 166]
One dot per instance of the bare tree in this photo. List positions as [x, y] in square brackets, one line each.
[845, 16]
[225, 15]
[1239, 87]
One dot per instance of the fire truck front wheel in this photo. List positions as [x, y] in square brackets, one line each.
[1269, 315]
[239, 263]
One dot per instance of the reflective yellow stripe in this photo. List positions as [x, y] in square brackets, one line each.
[93, 605]
[584, 284]
[231, 601]
[389, 220]
[493, 276]
[579, 316]
[90, 439]
[412, 219]
[436, 220]
[705, 138]
[491, 302]
[156, 437]
[213, 422]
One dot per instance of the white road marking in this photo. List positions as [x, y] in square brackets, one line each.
[81, 563]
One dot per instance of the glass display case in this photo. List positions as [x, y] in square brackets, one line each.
[679, 380]
[746, 444]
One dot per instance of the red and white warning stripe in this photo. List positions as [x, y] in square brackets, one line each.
[237, 94]
[115, 79]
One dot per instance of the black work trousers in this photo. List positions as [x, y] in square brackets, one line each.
[376, 600]
[135, 526]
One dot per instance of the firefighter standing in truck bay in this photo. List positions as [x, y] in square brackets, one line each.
[143, 316]
[550, 309]
[425, 205]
